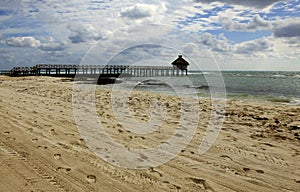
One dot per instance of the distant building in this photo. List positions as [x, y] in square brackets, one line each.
[181, 63]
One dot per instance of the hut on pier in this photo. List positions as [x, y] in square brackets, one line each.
[181, 64]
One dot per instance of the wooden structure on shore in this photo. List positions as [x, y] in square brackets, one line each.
[179, 68]
[5, 72]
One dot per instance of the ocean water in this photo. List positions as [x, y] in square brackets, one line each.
[283, 87]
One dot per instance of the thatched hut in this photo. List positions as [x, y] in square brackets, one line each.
[181, 63]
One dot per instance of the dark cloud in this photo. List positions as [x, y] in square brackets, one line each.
[288, 30]
[248, 3]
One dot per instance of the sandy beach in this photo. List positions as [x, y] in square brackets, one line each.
[258, 147]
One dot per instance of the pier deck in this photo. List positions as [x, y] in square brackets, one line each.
[99, 70]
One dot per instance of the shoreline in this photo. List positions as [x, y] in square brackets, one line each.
[273, 98]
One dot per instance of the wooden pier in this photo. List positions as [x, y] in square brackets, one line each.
[178, 68]
[91, 70]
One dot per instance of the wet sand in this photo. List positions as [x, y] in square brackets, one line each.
[258, 148]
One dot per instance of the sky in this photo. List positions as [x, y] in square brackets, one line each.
[211, 35]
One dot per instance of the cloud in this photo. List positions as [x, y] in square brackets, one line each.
[219, 44]
[255, 46]
[31, 42]
[10, 4]
[6, 56]
[254, 24]
[52, 46]
[288, 32]
[190, 48]
[289, 29]
[142, 10]
[23, 42]
[7, 59]
[247, 3]
[84, 32]
[75, 25]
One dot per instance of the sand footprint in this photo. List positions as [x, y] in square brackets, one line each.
[260, 171]
[57, 156]
[6, 132]
[63, 169]
[246, 169]
[297, 181]
[226, 157]
[11, 138]
[70, 134]
[91, 178]
[52, 131]
[41, 147]
[202, 183]
[81, 141]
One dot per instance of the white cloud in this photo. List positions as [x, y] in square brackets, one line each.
[255, 46]
[139, 11]
[49, 45]
[81, 33]
[190, 48]
[205, 17]
[219, 44]
[52, 46]
[23, 42]
[254, 24]
[143, 13]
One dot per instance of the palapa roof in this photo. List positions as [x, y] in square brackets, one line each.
[180, 61]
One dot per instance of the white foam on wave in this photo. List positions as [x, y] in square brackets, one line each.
[279, 75]
[295, 101]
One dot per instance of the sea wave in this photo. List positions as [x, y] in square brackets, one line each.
[197, 86]
[295, 101]
[283, 76]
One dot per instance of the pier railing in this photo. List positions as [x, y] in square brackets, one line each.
[104, 70]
